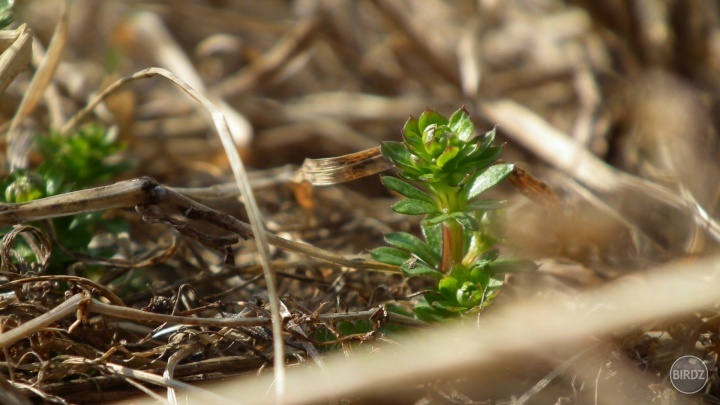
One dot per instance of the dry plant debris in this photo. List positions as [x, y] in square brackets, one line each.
[139, 256]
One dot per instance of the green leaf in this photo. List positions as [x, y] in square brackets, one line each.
[485, 179]
[495, 223]
[427, 313]
[485, 205]
[24, 186]
[448, 305]
[459, 178]
[467, 221]
[488, 138]
[413, 245]
[410, 175]
[461, 124]
[432, 296]
[480, 276]
[84, 220]
[433, 236]
[468, 295]
[419, 269]
[53, 182]
[448, 154]
[512, 265]
[460, 273]
[432, 177]
[414, 207]
[491, 255]
[406, 189]
[465, 168]
[430, 117]
[390, 255]
[413, 137]
[346, 328]
[480, 160]
[435, 139]
[397, 153]
[81, 158]
[448, 287]
[6, 13]
[431, 221]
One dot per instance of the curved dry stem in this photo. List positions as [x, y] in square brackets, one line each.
[39, 323]
[165, 382]
[243, 184]
[173, 361]
[15, 56]
[111, 296]
[20, 142]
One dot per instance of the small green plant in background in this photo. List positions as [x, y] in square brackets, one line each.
[6, 13]
[443, 169]
[80, 160]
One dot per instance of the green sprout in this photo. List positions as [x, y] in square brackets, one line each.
[443, 170]
[6, 13]
[80, 160]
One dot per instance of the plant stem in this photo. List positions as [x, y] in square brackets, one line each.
[452, 252]
[452, 231]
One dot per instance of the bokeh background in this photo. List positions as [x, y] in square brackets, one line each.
[614, 104]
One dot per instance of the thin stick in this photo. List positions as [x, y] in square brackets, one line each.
[143, 191]
[98, 307]
[15, 59]
[37, 324]
[111, 296]
[165, 382]
[94, 306]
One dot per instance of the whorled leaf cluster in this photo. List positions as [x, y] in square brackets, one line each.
[443, 169]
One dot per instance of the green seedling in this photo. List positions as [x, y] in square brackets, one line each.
[443, 169]
[69, 163]
[6, 13]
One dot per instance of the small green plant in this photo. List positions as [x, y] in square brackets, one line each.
[69, 163]
[443, 169]
[6, 13]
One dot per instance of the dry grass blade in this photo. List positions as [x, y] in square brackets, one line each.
[20, 142]
[264, 67]
[173, 361]
[534, 189]
[426, 43]
[16, 57]
[11, 395]
[550, 144]
[37, 324]
[254, 215]
[562, 152]
[341, 169]
[199, 393]
[168, 54]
